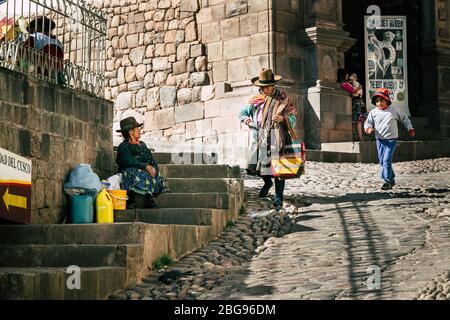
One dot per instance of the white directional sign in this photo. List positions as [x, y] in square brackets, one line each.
[15, 187]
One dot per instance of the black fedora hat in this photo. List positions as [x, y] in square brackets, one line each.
[128, 124]
[40, 24]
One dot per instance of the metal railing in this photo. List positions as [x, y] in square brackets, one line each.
[60, 41]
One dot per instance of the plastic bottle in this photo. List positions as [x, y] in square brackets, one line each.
[82, 209]
[104, 206]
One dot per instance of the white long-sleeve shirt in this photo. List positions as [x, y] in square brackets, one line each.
[385, 122]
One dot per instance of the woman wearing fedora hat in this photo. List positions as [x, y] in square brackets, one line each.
[140, 174]
[267, 114]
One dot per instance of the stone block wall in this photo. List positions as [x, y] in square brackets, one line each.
[287, 31]
[184, 67]
[57, 128]
[156, 65]
[324, 122]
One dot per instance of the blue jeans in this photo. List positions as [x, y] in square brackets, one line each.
[386, 150]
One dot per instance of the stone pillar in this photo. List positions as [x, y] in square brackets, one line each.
[436, 62]
[327, 107]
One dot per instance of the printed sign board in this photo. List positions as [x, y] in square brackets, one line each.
[15, 187]
[386, 58]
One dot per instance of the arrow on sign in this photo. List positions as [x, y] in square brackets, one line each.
[14, 201]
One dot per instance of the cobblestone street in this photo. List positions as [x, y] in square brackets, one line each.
[337, 232]
[351, 228]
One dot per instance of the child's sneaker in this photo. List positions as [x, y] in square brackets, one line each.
[386, 186]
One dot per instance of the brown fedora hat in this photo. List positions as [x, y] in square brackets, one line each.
[266, 78]
[128, 124]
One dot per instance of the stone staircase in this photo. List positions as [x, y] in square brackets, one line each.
[34, 258]
[200, 195]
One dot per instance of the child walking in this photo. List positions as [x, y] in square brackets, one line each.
[383, 121]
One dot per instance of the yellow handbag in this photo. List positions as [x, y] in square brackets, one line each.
[291, 162]
[290, 165]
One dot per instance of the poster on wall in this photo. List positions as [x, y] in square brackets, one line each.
[386, 58]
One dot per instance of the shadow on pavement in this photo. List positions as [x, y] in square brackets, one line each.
[367, 197]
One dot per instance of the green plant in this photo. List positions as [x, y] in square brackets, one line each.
[166, 259]
[230, 223]
[157, 265]
[242, 211]
[162, 261]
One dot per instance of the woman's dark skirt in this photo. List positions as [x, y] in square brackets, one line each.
[141, 182]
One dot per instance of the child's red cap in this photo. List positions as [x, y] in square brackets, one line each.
[383, 93]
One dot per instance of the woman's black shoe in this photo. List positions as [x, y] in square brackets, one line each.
[265, 190]
[150, 201]
[141, 200]
[131, 202]
[278, 204]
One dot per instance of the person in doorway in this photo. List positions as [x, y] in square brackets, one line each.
[359, 111]
[140, 173]
[383, 121]
[267, 114]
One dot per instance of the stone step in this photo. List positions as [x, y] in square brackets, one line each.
[209, 222]
[199, 171]
[331, 156]
[185, 216]
[405, 151]
[194, 200]
[198, 185]
[345, 147]
[184, 158]
[127, 263]
[173, 238]
[117, 233]
[41, 255]
[51, 283]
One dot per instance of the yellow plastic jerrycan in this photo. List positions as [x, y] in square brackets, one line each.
[104, 206]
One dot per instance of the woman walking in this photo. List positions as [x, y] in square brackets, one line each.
[270, 115]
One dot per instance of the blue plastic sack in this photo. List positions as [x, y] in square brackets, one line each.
[82, 179]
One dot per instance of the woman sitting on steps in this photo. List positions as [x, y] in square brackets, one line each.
[140, 173]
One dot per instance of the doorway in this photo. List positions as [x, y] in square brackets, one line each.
[353, 12]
